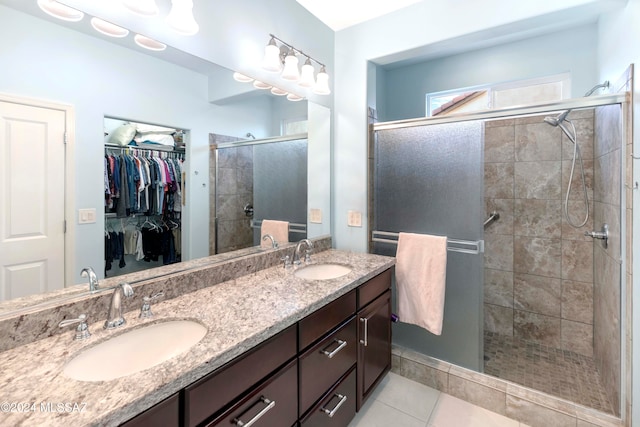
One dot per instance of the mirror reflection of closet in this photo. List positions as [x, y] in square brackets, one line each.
[144, 184]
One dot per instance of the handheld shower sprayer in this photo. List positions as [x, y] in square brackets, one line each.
[558, 121]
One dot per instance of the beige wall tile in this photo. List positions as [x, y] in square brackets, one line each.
[478, 394]
[538, 256]
[538, 180]
[498, 180]
[429, 376]
[537, 294]
[537, 415]
[498, 319]
[498, 253]
[499, 144]
[538, 218]
[536, 142]
[577, 301]
[577, 260]
[498, 287]
[537, 327]
[577, 337]
[504, 225]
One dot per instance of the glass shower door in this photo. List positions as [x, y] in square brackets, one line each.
[429, 179]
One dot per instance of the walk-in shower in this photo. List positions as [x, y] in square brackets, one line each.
[530, 299]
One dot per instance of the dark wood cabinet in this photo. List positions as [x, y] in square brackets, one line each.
[315, 373]
[374, 340]
[338, 407]
[165, 413]
[273, 403]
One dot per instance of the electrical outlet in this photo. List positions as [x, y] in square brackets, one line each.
[86, 216]
[315, 216]
[354, 219]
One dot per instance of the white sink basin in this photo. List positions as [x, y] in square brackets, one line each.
[134, 351]
[322, 271]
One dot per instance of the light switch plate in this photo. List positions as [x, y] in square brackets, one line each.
[354, 219]
[315, 216]
[86, 216]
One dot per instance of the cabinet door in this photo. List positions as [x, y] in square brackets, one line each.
[374, 349]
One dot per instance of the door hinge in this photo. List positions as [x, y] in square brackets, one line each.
[65, 138]
[64, 226]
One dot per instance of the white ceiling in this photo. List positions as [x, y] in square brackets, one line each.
[340, 14]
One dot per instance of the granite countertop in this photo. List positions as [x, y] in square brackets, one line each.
[239, 314]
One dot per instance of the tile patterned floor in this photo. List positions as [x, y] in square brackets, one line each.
[561, 373]
[400, 402]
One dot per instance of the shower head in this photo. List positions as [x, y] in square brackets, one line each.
[555, 121]
[596, 87]
[250, 135]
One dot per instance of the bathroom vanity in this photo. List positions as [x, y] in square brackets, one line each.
[279, 349]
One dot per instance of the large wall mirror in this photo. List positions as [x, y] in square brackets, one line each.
[98, 77]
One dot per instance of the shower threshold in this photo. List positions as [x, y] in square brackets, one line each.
[557, 372]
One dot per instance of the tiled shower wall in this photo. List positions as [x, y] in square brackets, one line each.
[229, 195]
[538, 269]
[607, 205]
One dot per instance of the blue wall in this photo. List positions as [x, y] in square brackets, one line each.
[571, 51]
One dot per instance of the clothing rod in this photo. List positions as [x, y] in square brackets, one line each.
[453, 245]
[243, 142]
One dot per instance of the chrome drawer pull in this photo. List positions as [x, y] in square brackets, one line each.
[342, 344]
[270, 404]
[366, 331]
[332, 412]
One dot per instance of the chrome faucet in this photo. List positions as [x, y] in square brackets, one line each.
[115, 319]
[93, 279]
[296, 251]
[274, 244]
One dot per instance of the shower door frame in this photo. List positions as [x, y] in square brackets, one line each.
[623, 99]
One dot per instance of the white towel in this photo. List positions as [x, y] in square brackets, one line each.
[279, 230]
[421, 271]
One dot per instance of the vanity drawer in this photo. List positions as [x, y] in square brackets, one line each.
[374, 287]
[317, 324]
[341, 400]
[323, 364]
[209, 395]
[273, 403]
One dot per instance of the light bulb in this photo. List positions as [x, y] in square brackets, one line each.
[260, 85]
[242, 78]
[148, 43]
[306, 78]
[181, 19]
[141, 7]
[322, 83]
[60, 11]
[271, 61]
[294, 97]
[290, 71]
[107, 28]
[278, 92]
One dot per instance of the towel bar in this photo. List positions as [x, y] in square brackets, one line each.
[473, 247]
[293, 226]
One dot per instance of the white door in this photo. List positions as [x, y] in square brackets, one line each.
[32, 199]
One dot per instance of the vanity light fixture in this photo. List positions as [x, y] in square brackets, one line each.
[148, 43]
[275, 90]
[181, 19]
[107, 28]
[141, 7]
[284, 58]
[60, 11]
[290, 71]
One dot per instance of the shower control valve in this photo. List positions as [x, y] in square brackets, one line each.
[600, 235]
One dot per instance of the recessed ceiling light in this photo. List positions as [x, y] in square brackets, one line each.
[242, 78]
[148, 43]
[60, 11]
[258, 84]
[107, 28]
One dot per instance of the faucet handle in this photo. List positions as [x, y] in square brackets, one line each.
[287, 262]
[82, 331]
[307, 256]
[145, 310]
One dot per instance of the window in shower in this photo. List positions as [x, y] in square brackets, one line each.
[499, 95]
